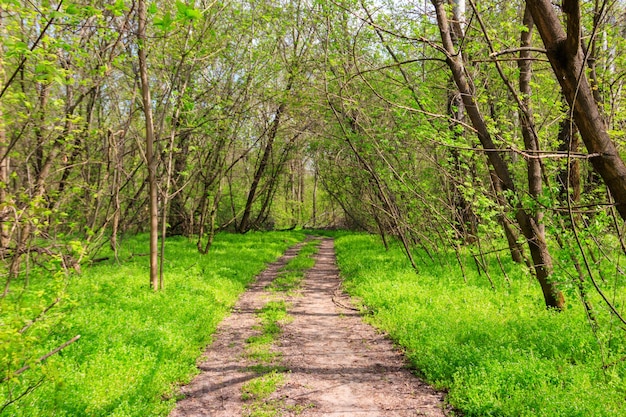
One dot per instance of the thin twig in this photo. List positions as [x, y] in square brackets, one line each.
[515, 50]
[39, 317]
[43, 358]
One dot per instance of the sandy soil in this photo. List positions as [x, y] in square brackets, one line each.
[337, 365]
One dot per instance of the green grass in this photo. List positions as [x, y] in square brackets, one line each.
[258, 346]
[262, 387]
[291, 275]
[137, 346]
[266, 363]
[496, 353]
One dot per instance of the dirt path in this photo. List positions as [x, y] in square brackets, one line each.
[337, 365]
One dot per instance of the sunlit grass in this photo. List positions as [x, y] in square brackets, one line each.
[137, 345]
[496, 353]
[291, 275]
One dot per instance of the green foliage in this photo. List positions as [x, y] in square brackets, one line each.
[257, 392]
[258, 346]
[28, 316]
[497, 353]
[137, 345]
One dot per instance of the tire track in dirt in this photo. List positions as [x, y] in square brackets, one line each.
[338, 366]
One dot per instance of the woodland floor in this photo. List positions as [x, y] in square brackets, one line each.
[333, 363]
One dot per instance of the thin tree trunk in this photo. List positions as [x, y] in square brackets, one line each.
[516, 250]
[568, 178]
[244, 224]
[315, 197]
[150, 159]
[4, 165]
[301, 191]
[117, 207]
[271, 184]
[179, 224]
[204, 248]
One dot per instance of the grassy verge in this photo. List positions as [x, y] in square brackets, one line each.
[137, 346]
[497, 353]
[256, 393]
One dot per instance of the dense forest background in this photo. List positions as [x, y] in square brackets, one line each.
[493, 127]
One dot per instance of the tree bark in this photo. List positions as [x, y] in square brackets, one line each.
[567, 60]
[537, 242]
[150, 159]
[568, 178]
[516, 250]
[529, 226]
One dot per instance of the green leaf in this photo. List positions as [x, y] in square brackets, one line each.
[118, 8]
[164, 23]
[193, 14]
[186, 12]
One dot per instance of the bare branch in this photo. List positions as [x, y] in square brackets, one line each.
[43, 358]
[517, 50]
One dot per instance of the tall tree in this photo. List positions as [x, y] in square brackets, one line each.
[568, 60]
[151, 161]
[528, 224]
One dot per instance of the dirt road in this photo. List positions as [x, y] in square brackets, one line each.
[331, 363]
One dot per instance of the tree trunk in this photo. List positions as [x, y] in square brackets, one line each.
[529, 226]
[5, 213]
[315, 176]
[516, 250]
[179, 223]
[536, 239]
[567, 60]
[244, 224]
[568, 178]
[150, 159]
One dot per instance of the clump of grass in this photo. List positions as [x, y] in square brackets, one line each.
[497, 353]
[291, 275]
[263, 386]
[271, 316]
[257, 393]
[271, 408]
[286, 282]
[272, 313]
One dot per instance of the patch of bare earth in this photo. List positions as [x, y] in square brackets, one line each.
[337, 365]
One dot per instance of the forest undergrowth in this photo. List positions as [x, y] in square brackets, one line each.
[136, 346]
[491, 345]
[497, 352]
